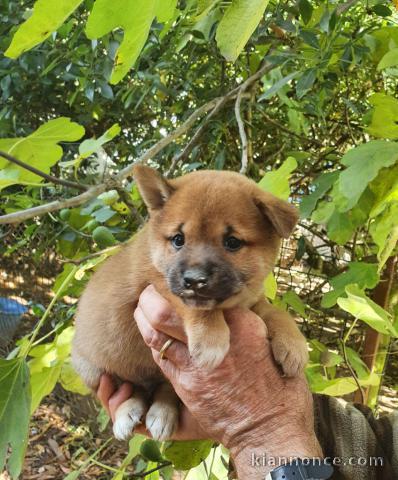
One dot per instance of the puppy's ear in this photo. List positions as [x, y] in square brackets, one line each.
[155, 190]
[282, 215]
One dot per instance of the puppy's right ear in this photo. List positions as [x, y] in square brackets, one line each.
[154, 189]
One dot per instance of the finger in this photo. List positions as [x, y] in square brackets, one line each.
[160, 314]
[242, 323]
[152, 337]
[105, 390]
[123, 393]
[177, 354]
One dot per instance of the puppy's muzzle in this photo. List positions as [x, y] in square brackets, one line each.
[195, 279]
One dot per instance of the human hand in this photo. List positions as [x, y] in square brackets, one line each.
[111, 397]
[244, 403]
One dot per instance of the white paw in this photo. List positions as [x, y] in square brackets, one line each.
[127, 417]
[162, 420]
[208, 356]
[291, 354]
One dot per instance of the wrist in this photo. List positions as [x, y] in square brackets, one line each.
[255, 459]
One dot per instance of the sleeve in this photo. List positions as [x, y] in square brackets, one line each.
[358, 445]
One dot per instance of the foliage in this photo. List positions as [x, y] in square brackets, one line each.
[88, 87]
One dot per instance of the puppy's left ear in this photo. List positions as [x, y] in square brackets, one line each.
[282, 215]
[155, 189]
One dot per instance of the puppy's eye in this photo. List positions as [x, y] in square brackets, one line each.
[178, 241]
[232, 244]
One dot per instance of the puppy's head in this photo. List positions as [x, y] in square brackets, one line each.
[214, 235]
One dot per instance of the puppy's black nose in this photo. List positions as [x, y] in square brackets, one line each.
[195, 278]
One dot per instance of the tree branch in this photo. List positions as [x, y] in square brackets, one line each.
[46, 176]
[240, 91]
[113, 183]
[196, 137]
[242, 132]
[116, 181]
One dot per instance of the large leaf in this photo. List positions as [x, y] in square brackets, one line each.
[135, 18]
[46, 365]
[390, 59]
[362, 307]
[277, 181]
[91, 145]
[363, 274]
[384, 231]
[363, 164]
[47, 16]
[39, 149]
[384, 122]
[335, 387]
[14, 413]
[186, 455]
[322, 184]
[237, 25]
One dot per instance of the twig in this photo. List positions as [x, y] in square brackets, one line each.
[242, 132]
[196, 137]
[78, 261]
[46, 176]
[241, 90]
[354, 375]
[290, 132]
[148, 472]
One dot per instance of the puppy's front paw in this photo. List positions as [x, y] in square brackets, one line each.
[162, 420]
[209, 356]
[292, 355]
[127, 417]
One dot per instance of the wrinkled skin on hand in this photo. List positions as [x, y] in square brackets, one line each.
[245, 403]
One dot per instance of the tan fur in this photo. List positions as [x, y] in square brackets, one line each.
[206, 202]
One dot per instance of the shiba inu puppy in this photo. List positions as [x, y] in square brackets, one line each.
[211, 239]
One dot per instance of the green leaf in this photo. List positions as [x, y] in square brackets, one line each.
[47, 16]
[336, 387]
[362, 371]
[292, 299]
[340, 227]
[270, 286]
[306, 10]
[150, 450]
[384, 231]
[390, 59]
[323, 212]
[237, 25]
[165, 10]
[305, 82]
[39, 149]
[186, 455]
[322, 185]
[46, 365]
[384, 122]
[277, 86]
[382, 10]
[361, 273]
[277, 181]
[362, 307]
[385, 190]
[363, 164]
[71, 381]
[135, 18]
[14, 413]
[134, 449]
[43, 383]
